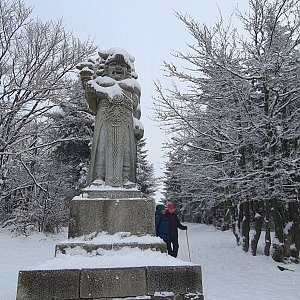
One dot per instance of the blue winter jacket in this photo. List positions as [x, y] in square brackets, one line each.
[161, 223]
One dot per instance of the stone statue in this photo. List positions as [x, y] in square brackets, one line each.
[113, 94]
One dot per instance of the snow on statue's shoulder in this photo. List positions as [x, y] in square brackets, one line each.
[111, 91]
[132, 83]
[105, 80]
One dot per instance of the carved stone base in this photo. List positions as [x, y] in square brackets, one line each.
[89, 216]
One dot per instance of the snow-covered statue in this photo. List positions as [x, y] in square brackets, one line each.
[113, 94]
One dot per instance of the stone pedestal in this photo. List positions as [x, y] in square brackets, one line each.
[94, 215]
[103, 225]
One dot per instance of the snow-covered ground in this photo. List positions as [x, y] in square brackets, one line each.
[228, 273]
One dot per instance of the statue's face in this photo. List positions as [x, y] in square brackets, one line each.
[117, 70]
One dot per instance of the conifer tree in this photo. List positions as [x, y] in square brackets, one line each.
[146, 180]
[72, 124]
[172, 183]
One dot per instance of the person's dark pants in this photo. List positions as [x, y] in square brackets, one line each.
[172, 246]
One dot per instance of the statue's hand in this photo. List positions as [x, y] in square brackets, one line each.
[138, 128]
[90, 89]
[138, 133]
[86, 66]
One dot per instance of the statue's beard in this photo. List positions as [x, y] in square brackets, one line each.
[118, 75]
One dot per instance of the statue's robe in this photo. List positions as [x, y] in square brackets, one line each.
[113, 154]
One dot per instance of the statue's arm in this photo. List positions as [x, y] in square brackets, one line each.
[137, 124]
[136, 95]
[91, 97]
[86, 73]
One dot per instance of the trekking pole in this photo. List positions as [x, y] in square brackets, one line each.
[188, 245]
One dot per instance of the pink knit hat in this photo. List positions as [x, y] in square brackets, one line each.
[170, 206]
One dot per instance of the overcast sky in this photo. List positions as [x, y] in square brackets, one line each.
[148, 30]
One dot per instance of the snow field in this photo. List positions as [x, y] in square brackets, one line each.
[228, 273]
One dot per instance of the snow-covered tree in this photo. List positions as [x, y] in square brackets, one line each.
[36, 59]
[175, 190]
[146, 180]
[72, 125]
[173, 180]
[237, 122]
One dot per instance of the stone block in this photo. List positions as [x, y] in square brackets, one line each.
[158, 282]
[69, 248]
[88, 248]
[162, 247]
[48, 285]
[122, 215]
[175, 279]
[112, 283]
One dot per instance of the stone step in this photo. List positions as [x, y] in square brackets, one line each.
[94, 244]
[95, 249]
[103, 283]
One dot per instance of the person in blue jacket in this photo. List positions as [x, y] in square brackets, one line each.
[161, 223]
[166, 227]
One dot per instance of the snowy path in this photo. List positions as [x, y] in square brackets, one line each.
[228, 273]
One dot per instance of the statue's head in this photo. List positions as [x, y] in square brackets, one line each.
[117, 68]
[117, 63]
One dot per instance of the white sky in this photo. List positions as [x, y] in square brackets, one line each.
[148, 30]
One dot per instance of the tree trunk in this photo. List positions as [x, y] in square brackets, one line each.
[295, 229]
[234, 225]
[245, 226]
[225, 221]
[258, 224]
[267, 230]
[240, 215]
[287, 233]
[278, 241]
[288, 240]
